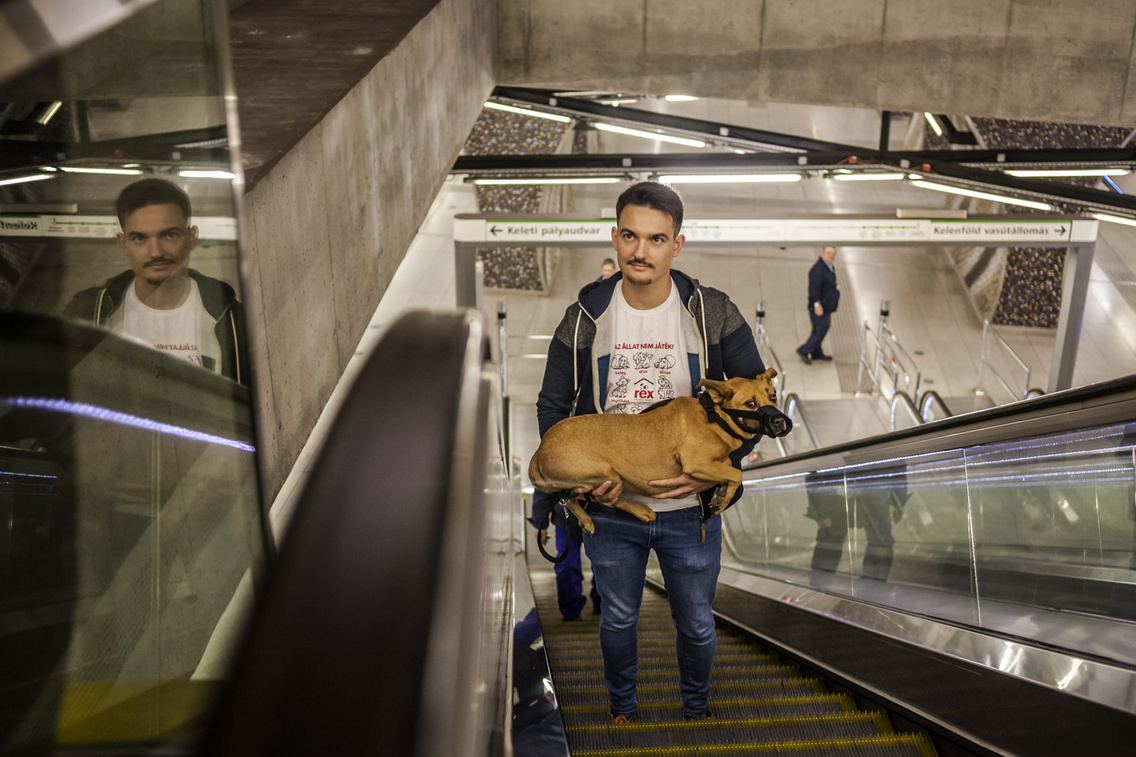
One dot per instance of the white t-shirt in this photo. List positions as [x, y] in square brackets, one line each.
[185, 332]
[648, 364]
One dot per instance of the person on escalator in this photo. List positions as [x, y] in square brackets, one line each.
[161, 300]
[645, 334]
[569, 571]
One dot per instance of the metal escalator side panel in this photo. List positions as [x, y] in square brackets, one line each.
[335, 660]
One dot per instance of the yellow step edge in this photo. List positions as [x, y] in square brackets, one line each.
[917, 740]
[844, 700]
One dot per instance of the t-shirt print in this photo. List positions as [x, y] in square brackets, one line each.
[647, 359]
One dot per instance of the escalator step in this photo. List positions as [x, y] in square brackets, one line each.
[661, 711]
[740, 673]
[728, 731]
[589, 693]
[653, 658]
[897, 745]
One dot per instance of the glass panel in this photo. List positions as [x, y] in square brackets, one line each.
[129, 498]
[1054, 522]
[934, 409]
[903, 413]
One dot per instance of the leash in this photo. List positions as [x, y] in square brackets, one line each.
[558, 558]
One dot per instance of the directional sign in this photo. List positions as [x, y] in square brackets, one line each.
[791, 231]
[219, 228]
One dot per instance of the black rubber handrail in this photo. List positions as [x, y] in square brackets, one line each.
[337, 657]
[1069, 399]
[926, 399]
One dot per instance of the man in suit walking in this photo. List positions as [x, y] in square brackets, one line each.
[824, 296]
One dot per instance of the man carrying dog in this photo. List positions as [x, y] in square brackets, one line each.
[691, 332]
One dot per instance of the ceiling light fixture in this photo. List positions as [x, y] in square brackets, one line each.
[527, 112]
[651, 135]
[679, 98]
[1114, 219]
[934, 124]
[552, 180]
[624, 101]
[868, 176]
[194, 174]
[1069, 172]
[49, 112]
[981, 195]
[29, 177]
[107, 171]
[757, 178]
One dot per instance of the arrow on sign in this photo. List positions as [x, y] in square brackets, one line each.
[1061, 230]
[494, 230]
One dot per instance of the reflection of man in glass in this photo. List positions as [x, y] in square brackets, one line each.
[161, 300]
[878, 497]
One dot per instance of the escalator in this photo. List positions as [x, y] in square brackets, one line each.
[973, 576]
[761, 703]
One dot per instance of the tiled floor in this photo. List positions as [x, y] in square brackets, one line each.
[930, 312]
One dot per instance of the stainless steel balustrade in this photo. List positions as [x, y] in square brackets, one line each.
[1005, 537]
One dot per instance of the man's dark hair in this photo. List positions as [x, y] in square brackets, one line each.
[652, 194]
[147, 192]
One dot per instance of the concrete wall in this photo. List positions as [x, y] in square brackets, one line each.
[1058, 60]
[324, 232]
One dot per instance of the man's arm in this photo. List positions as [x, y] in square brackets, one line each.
[816, 280]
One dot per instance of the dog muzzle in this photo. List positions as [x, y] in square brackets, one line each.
[766, 420]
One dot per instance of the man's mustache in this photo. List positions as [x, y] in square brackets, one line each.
[159, 261]
[647, 263]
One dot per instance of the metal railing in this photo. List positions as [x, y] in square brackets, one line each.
[932, 407]
[768, 356]
[882, 353]
[984, 362]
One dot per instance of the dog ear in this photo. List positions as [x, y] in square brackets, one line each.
[719, 390]
[769, 375]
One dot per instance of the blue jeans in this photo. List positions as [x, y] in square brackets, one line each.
[820, 323]
[618, 552]
[570, 576]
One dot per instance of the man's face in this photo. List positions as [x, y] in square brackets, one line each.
[645, 243]
[157, 240]
[828, 254]
[607, 270]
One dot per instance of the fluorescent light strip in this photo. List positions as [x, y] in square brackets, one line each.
[23, 179]
[679, 98]
[758, 178]
[1114, 219]
[598, 180]
[1070, 172]
[107, 171]
[527, 112]
[981, 195]
[626, 101]
[868, 176]
[123, 419]
[189, 174]
[651, 135]
[934, 124]
[49, 112]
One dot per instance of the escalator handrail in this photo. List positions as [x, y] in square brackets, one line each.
[902, 399]
[927, 399]
[788, 401]
[1102, 403]
[342, 650]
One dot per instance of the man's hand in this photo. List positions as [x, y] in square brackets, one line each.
[896, 514]
[817, 309]
[606, 493]
[682, 485]
[542, 536]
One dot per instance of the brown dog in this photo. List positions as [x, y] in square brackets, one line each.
[587, 450]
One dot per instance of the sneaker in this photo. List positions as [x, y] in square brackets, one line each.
[704, 716]
[805, 358]
[622, 719]
[822, 357]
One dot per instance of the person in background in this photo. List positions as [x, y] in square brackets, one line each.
[607, 269]
[161, 300]
[824, 296]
